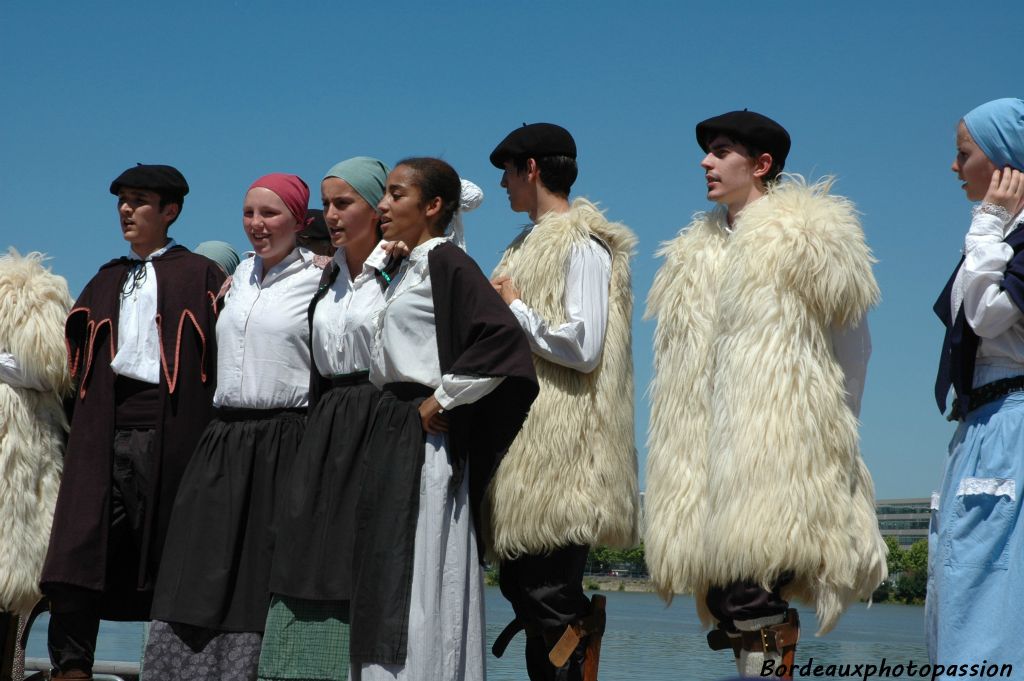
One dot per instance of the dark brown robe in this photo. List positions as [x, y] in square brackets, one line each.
[79, 555]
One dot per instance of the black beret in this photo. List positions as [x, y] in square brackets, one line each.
[747, 127]
[163, 179]
[535, 140]
[316, 226]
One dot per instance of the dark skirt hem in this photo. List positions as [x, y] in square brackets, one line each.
[216, 566]
[315, 526]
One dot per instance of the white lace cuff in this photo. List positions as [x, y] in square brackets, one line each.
[994, 210]
[997, 487]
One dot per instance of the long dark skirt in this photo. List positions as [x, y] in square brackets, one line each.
[215, 571]
[316, 522]
[386, 528]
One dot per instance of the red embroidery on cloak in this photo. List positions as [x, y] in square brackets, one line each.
[74, 359]
[92, 330]
[172, 381]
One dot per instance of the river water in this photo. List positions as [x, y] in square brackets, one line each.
[646, 641]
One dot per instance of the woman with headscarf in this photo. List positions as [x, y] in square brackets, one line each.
[212, 592]
[222, 253]
[975, 575]
[306, 636]
[457, 379]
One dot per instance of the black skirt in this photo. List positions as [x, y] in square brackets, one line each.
[315, 528]
[386, 528]
[215, 571]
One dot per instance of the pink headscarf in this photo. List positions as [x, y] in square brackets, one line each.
[292, 190]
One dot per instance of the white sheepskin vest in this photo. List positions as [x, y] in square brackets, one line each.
[570, 476]
[33, 306]
[753, 462]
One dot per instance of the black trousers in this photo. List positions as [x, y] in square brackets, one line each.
[546, 593]
[746, 600]
[74, 610]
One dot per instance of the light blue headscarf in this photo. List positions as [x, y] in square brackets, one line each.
[366, 175]
[997, 127]
[221, 253]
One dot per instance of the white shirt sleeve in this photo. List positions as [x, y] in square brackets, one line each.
[457, 390]
[13, 375]
[578, 342]
[852, 347]
[988, 308]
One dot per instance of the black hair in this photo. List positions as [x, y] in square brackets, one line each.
[770, 177]
[435, 178]
[167, 198]
[557, 173]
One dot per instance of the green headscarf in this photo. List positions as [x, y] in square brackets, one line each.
[366, 175]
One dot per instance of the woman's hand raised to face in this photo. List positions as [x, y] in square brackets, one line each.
[1007, 189]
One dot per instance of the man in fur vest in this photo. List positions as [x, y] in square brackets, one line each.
[569, 479]
[141, 347]
[756, 489]
[33, 384]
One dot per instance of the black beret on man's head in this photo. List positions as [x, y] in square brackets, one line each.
[535, 140]
[748, 128]
[165, 180]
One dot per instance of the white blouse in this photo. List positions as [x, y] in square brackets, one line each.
[344, 320]
[578, 342]
[989, 310]
[138, 339]
[405, 345]
[263, 334]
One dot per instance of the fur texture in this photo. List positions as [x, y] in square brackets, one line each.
[34, 305]
[754, 465]
[570, 476]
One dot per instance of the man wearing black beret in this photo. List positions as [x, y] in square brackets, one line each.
[569, 479]
[756, 491]
[142, 345]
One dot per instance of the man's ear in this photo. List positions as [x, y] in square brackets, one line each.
[532, 171]
[762, 164]
[171, 211]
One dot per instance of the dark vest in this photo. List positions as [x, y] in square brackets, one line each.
[960, 346]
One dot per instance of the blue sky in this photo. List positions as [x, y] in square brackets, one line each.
[227, 91]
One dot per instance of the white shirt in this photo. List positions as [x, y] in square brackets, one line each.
[989, 310]
[405, 346]
[263, 334]
[578, 342]
[344, 320]
[138, 339]
[12, 373]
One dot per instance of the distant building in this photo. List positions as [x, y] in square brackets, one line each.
[905, 519]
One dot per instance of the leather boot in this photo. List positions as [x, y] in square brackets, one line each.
[768, 644]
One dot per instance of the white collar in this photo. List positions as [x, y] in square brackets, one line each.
[171, 243]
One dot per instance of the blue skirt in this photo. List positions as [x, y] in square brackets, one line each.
[976, 556]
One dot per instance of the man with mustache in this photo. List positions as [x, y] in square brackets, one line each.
[756, 489]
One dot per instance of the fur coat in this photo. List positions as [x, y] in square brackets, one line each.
[32, 422]
[570, 476]
[754, 465]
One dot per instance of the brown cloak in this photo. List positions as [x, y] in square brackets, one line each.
[79, 555]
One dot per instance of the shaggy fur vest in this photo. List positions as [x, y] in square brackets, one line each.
[570, 475]
[32, 423]
[754, 466]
